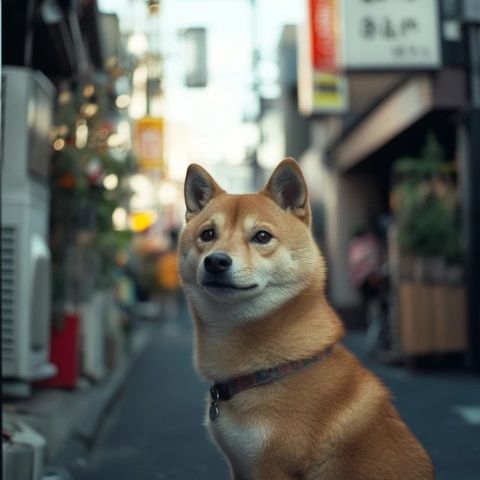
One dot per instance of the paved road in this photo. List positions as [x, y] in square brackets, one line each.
[155, 430]
[441, 408]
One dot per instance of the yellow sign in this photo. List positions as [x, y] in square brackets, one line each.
[319, 91]
[329, 92]
[149, 143]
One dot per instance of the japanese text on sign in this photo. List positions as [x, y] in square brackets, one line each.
[390, 33]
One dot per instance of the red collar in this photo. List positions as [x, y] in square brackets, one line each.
[226, 390]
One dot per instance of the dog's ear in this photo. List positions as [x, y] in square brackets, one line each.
[199, 189]
[287, 188]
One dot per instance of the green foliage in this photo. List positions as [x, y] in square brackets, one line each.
[107, 244]
[81, 208]
[427, 212]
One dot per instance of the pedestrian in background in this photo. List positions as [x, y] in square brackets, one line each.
[168, 278]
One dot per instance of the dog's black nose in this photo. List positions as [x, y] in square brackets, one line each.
[217, 262]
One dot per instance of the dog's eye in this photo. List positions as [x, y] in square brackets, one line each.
[208, 235]
[262, 237]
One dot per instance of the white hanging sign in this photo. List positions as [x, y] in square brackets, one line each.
[390, 34]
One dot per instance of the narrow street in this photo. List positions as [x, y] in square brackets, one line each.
[123, 118]
[155, 429]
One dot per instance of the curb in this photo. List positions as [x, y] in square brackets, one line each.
[101, 399]
[88, 421]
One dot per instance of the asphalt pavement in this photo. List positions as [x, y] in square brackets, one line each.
[441, 407]
[155, 429]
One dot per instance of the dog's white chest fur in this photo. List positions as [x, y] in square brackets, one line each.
[241, 442]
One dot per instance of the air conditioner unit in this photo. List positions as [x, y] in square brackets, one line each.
[27, 101]
[23, 452]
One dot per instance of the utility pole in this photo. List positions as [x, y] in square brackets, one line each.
[471, 181]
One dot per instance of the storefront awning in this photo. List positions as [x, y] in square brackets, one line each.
[419, 95]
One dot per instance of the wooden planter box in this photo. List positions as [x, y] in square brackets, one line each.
[432, 318]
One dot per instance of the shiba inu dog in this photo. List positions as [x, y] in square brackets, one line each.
[287, 401]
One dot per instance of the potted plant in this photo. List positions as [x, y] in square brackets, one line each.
[426, 208]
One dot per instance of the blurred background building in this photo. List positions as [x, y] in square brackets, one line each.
[106, 102]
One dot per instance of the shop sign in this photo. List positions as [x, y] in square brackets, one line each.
[322, 92]
[323, 23]
[322, 88]
[148, 143]
[330, 92]
[390, 34]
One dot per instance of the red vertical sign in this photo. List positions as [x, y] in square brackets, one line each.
[323, 34]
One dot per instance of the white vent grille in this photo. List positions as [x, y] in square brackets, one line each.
[9, 248]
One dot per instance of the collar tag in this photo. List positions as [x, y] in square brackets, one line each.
[214, 410]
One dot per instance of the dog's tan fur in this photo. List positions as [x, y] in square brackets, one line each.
[331, 421]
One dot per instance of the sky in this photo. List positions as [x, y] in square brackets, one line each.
[205, 125]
